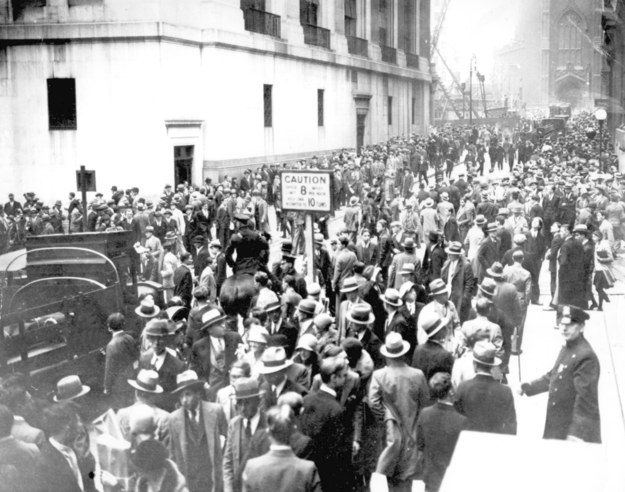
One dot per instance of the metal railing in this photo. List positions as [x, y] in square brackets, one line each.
[412, 60]
[389, 55]
[317, 36]
[262, 22]
[357, 46]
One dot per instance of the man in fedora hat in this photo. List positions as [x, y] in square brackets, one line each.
[197, 430]
[306, 311]
[275, 368]
[183, 279]
[397, 393]
[434, 257]
[488, 252]
[252, 250]
[395, 319]
[219, 264]
[360, 320]
[214, 351]
[152, 255]
[441, 306]
[161, 360]
[247, 435]
[506, 302]
[474, 238]
[121, 354]
[432, 356]
[352, 218]
[457, 274]
[408, 255]
[573, 404]
[488, 404]
[344, 262]
[287, 267]
[147, 392]
[518, 276]
[350, 291]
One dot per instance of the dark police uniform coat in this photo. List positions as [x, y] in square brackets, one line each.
[252, 252]
[573, 406]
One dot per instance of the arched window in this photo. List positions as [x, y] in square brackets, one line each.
[570, 30]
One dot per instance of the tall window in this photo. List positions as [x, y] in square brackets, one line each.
[407, 27]
[390, 110]
[320, 114]
[62, 104]
[350, 18]
[308, 10]
[268, 105]
[570, 39]
[414, 110]
[385, 26]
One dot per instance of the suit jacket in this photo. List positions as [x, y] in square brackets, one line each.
[121, 353]
[269, 399]
[200, 259]
[367, 254]
[215, 425]
[571, 289]
[487, 254]
[323, 420]
[280, 471]
[401, 325]
[488, 405]
[183, 284]
[385, 250]
[26, 460]
[433, 261]
[462, 285]
[161, 419]
[24, 432]
[343, 267]
[438, 429]
[397, 394]
[166, 376]
[57, 474]
[431, 358]
[399, 260]
[200, 359]
[573, 405]
[522, 281]
[236, 456]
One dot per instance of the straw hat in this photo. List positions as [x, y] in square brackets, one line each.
[394, 346]
[147, 381]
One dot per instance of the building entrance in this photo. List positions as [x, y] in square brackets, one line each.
[183, 163]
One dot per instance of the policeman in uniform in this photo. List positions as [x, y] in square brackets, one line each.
[251, 248]
[573, 407]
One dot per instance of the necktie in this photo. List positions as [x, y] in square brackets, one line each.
[248, 430]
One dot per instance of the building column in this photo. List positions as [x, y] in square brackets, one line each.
[395, 6]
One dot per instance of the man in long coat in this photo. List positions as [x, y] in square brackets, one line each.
[488, 252]
[570, 288]
[397, 394]
[573, 405]
[457, 273]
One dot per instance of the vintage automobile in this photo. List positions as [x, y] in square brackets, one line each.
[56, 296]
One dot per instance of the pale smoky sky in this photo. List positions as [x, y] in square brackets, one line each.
[477, 27]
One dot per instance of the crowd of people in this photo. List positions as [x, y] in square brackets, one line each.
[371, 365]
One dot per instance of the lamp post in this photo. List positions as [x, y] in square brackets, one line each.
[601, 115]
[463, 87]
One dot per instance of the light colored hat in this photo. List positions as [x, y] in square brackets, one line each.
[407, 269]
[519, 238]
[258, 334]
[394, 346]
[432, 323]
[147, 381]
[438, 286]
[70, 388]
[360, 314]
[274, 360]
[391, 297]
[496, 270]
[147, 308]
[307, 341]
[314, 289]
[212, 317]
[245, 388]
[428, 203]
[484, 353]
[350, 284]
[188, 380]
[323, 321]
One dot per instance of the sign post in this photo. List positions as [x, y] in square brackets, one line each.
[85, 181]
[307, 191]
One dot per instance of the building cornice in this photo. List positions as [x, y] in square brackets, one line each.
[22, 34]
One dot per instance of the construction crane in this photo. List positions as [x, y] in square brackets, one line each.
[439, 26]
[456, 83]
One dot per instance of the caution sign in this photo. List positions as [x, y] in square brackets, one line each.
[306, 191]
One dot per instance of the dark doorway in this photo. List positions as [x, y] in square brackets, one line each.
[360, 130]
[183, 163]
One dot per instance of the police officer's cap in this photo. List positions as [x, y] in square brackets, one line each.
[571, 314]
